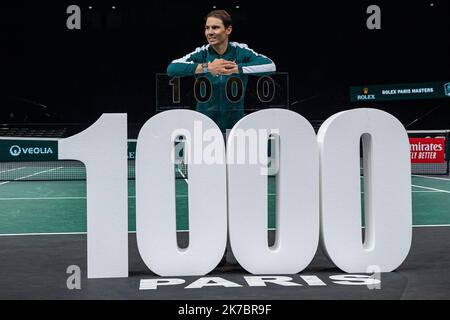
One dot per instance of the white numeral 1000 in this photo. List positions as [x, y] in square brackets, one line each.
[318, 194]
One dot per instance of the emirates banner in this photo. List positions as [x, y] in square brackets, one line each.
[427, 150]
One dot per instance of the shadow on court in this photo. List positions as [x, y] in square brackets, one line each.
[34, 267]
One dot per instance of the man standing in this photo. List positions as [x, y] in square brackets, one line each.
[218, 61]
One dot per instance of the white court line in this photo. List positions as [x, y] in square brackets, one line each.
[59, 198]
[41, 234]
[184, 177]
[132, 197]
[44, 198]
[430, 188]
[12, 169]
[78, 198]
[131, 232]
[31, 175]
[437, 178]
[8, 171]
[35, 174]
[431, 225]
[48, 234]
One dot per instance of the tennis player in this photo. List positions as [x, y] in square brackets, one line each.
[219, 60]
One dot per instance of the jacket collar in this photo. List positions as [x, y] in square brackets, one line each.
[213, 51]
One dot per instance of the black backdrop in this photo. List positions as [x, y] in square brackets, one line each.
[110, 64]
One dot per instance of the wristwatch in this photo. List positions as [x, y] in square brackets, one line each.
[205, 67]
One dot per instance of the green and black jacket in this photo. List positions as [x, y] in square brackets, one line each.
[221, 110]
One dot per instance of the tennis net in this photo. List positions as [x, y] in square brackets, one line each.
[36, 159]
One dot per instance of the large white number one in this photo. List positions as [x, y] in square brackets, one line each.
[103, 149]
[297, 213]
[155, 194]
[387, 190]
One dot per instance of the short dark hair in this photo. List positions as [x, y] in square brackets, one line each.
[222, 15]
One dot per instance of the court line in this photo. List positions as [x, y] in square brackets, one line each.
[53, 234]
[84, 197]
[44, 198]
[437, 178]
[430, 188]
[431, 225]
[31, 175]
[184, 177]
[132, 197]
[12, 169]
[41, 234]
[57, 198]
[30, 138]
[132, 232]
